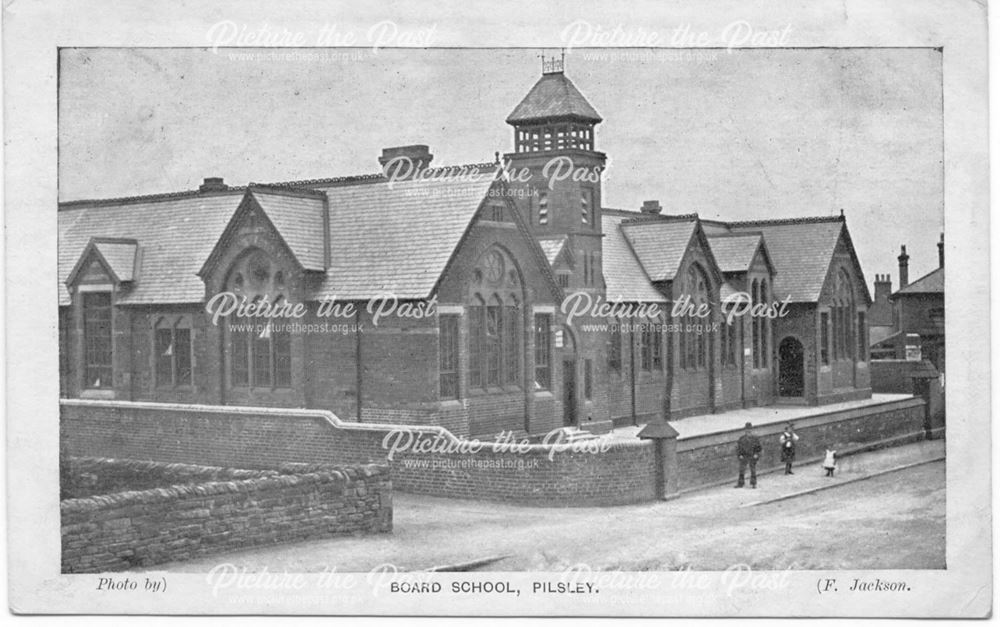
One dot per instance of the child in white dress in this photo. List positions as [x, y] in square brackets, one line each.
[830, 462]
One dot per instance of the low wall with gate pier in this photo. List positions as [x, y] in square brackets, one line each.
[617, 469]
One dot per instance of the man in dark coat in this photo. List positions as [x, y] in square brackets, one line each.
[748, 449]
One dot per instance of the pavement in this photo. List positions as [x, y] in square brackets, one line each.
[775, 486]
[883, 509]
[696, 426]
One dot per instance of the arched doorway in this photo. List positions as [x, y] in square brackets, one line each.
[791, 368]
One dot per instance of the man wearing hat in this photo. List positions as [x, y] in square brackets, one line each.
[748, 449]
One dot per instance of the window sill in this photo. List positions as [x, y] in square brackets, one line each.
[544, 394]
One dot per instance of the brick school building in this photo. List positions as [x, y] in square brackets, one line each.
[466, 297]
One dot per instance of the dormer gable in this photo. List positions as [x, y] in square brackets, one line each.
[298, 219]
[106, 260]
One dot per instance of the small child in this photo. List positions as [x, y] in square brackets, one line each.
[830, 462]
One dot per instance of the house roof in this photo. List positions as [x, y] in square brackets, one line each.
[553, 96]
[374, 229]
[624, 276]
[660, 243]
[735, 253]
[931, 283]
[801, 251]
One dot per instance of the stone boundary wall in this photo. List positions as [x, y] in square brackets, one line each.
[81, 477]
[621, 473]
[142, 528]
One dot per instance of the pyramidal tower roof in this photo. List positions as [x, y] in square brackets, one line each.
[554, 96]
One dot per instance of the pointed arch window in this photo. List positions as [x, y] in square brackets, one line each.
[765, 326]
[843, 317]
[694, 344]
[260, 349]
[496, 334]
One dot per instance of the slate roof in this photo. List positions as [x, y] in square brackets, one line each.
[624, 277]
[120, 256]
[553, 96]
[299, 219]
[175, 236]
[397, 238]
[801, 251]
[660, 243]
[734, 253]
[931, 283]
[552, 247]
[383, 237]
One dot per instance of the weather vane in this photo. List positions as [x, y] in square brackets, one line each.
[554, 65]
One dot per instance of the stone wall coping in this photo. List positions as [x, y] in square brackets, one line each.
[774, 428]
[329, 417]
[143, 465]
[171, 493]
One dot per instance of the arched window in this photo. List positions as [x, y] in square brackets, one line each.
[495, 327]
[843, 316]
[512, 341]
[765, 326]
[260, 348]
[477, 313]
[694, 344]
[754, 328]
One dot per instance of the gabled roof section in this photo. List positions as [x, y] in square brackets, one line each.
[931, 283]
[801, 251]
[736, 252]
[660, 243]
[624, 277]
[118, 255]
[553, 96]
[298, 216]
[552, 247]
[383, 236]
[177, 234]
[398, 237]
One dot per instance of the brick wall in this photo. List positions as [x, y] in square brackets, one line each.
[893, 376]
[265, 438]
[712, 459]
[142, 528]
[621, 473]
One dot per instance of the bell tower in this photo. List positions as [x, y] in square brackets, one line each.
[557, 173]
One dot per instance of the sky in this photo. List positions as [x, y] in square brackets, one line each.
[741, 135]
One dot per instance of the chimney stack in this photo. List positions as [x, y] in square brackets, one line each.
[405, 162]
[883, 288]
[904, 267]
[941, 252]
[651, 207]
[213, 184]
